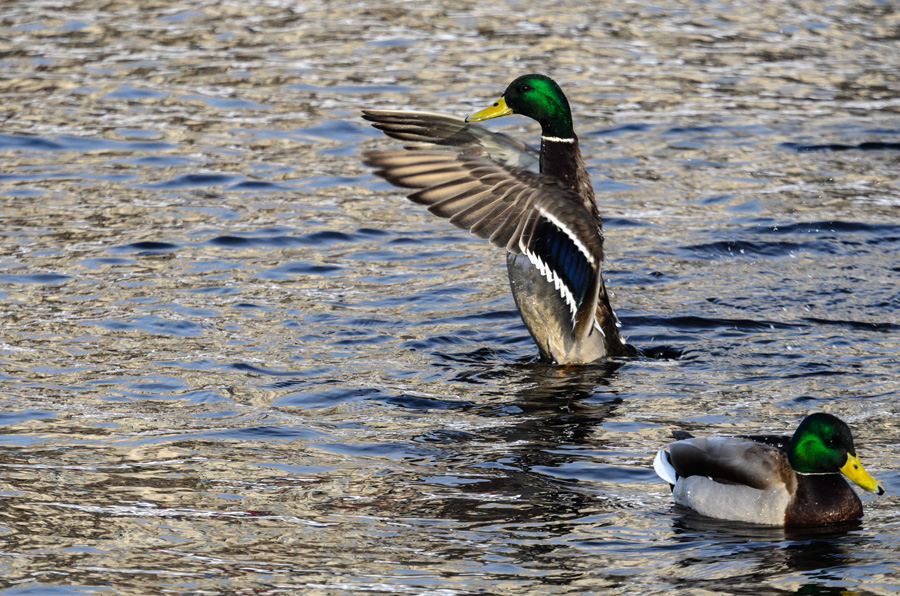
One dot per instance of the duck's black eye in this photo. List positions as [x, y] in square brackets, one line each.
[524, 88]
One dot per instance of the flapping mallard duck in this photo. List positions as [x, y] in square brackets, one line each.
[539, 206]
[773, 480]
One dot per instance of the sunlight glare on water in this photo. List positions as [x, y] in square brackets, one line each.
[234, 361]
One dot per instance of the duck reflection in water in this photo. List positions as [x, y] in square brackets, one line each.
[755, 551]
[525, 469]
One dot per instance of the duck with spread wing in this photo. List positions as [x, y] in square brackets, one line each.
[538, 205]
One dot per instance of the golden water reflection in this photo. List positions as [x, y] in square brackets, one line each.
[232, 361]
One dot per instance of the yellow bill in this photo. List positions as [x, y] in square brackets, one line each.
[495, 110]
[854, 471]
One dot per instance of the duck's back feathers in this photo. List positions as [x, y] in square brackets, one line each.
[680, 435]
[732, 460]
[779, 441]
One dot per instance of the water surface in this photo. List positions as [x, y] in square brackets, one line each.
[233, 361]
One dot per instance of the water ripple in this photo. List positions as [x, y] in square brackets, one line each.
[748, 248]
[235, 361]
[864, 146]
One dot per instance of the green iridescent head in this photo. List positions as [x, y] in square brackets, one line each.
[822, 444]
[535, 96]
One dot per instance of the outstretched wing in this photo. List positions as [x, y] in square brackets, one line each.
[483, 182]
[424, 128]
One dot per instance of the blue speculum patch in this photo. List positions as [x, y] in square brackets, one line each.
[554, 247]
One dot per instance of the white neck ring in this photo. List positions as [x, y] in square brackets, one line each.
[558, 140]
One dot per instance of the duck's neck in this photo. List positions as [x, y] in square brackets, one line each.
[561, 158]
[822, 498]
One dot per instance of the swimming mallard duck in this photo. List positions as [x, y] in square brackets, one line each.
[539, 206]
[773, 480]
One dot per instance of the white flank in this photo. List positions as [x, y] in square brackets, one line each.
[732, 501]
[581, 247]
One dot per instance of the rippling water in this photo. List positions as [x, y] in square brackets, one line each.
[233, 361]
